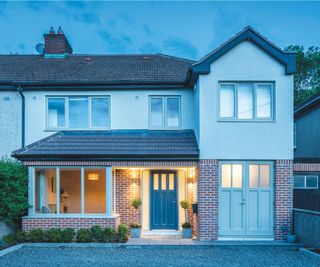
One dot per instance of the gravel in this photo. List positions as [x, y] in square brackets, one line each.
[174, 256]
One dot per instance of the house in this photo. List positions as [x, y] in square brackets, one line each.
[306, 155]
[97, 131]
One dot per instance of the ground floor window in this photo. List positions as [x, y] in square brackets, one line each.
[70, 190]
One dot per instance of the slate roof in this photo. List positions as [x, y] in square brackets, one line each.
[114, 144]
[308, 104]
[82, 69]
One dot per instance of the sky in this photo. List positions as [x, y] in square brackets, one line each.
[184, 29]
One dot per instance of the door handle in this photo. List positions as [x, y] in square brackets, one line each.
[243, 202]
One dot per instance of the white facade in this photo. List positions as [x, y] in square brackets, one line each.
[251, 140]
[241, 140]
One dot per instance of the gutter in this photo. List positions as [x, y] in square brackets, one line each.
[23, 119]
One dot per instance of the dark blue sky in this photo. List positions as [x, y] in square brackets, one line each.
[185, 29]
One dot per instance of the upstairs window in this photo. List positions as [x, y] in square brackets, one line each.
[246, 101]
[164, 112]
[77, 112]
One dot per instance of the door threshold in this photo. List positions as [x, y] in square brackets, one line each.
[160, 233]
[245, 239]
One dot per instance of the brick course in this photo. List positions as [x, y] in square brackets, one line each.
[75, 223]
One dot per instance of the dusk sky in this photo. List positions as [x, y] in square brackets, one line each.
[184, 29]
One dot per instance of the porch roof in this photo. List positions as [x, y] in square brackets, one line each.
[113, 144]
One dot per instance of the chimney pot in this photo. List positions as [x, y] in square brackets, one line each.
[60, 31]
[51, 31]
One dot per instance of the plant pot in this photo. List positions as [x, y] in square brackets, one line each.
[291, 238]
[187, 232]
[135, 232]
[195, 208]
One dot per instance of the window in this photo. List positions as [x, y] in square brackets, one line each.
[246, 101]
[306, 181]
[231, 175]
[164, 112]
[259, 175]
[78, 190]
[78, 112]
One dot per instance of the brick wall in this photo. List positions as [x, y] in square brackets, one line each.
[283, 198]
[208, 191]
[75, 223]
[127, 188]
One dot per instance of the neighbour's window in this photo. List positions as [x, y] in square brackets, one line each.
[78, 112]
[75, 196]
[306, 181]
[164, 112]
[246, 101]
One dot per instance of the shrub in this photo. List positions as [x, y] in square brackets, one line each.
[21, 236]
[108, 234]
[13, 191]
[96, 233]
[84, 236]
[136, 203]
[9, 239]
[67, 235]
[135, 225]
[184, 204]
[36, 236]
[123, 233]
[53, 235]
[186, 225]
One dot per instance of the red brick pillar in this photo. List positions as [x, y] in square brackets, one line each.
[283, 198]
[208, 191]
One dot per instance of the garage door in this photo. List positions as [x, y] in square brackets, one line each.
[246, 199]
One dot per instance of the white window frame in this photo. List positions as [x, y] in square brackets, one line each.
[305, 181]
[164, 112]
[109, 213]
[255, 85]
[66, 115]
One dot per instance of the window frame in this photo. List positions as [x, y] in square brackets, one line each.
[165, 112]
[66, 115]
[305, 181]
[255, 85]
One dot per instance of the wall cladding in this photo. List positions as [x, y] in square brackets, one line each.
[307, 227]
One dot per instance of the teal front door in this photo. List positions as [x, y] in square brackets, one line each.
[246, 199]
[163, 200]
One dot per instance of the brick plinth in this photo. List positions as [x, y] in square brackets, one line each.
[75, 223]
[208, 191]
[283, 198]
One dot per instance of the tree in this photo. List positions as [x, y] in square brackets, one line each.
[13, 191]
[307, 78]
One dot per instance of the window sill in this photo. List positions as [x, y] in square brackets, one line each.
[250, 121]
[74, 130]
[52, 216]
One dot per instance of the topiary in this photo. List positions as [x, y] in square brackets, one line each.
[123, 233]
[21, 236]
[53, 235]
[84, 236]
[136, 203]
[96, 233]
[67, 235]
[108, 234]
[36, 235]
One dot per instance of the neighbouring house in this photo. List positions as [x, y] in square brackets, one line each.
[97, 131]
[307, 155]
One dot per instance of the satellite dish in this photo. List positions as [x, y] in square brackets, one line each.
[40, 48]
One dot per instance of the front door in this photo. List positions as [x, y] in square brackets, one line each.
[246, 200]
[163, 200]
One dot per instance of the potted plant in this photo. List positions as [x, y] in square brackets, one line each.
[186, 227]
[291, 237]
[135, 227]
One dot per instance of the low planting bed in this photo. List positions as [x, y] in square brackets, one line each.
[94, 234]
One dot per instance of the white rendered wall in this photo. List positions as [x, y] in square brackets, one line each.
[246, 140]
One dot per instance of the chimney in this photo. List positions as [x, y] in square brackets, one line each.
[56, 45]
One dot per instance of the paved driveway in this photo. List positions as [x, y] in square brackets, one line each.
[175, 256]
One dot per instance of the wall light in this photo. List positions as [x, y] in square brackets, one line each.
[93, 176]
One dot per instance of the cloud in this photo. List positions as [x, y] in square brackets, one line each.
[87, 17]
[114, 43]
[180, 47]
[149, 48]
